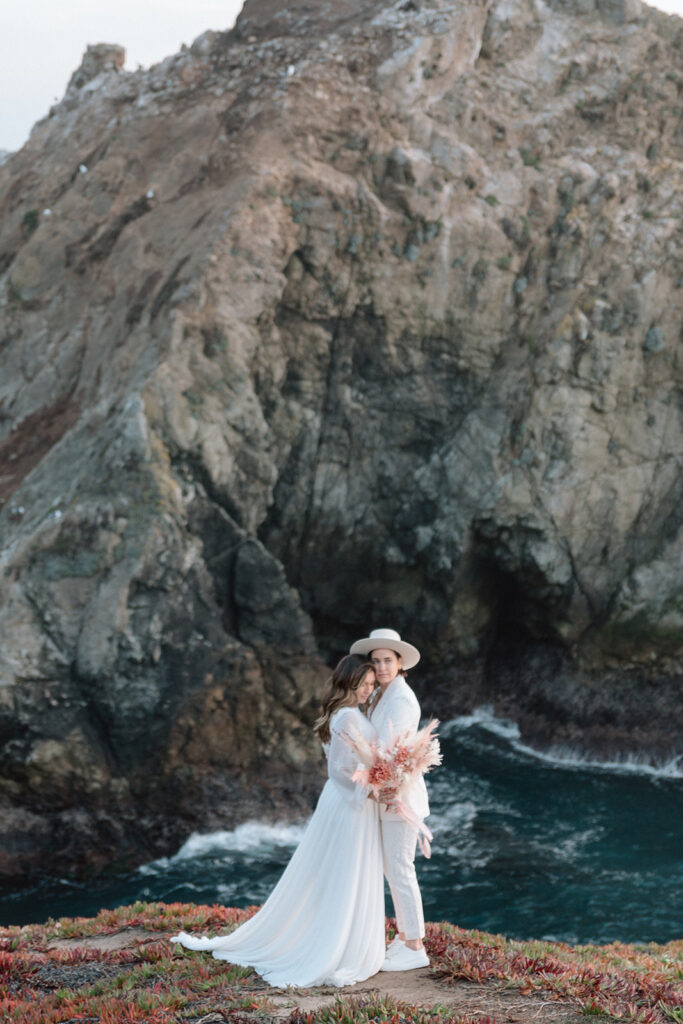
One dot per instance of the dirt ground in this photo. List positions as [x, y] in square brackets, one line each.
[418, 988]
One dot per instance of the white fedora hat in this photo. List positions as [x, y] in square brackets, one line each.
[388, 640]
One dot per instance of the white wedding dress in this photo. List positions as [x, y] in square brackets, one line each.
[323, 923]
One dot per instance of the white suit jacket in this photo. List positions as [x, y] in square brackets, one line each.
[399, 711]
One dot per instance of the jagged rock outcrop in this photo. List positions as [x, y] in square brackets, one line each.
[101, 59]
[359, 314]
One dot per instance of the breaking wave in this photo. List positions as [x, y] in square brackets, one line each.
[561, 756]
[253, 838]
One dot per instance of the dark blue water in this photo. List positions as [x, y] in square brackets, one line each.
[528, 846]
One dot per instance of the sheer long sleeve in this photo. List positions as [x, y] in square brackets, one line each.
[342, 762]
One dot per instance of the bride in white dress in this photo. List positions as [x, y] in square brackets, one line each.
[323, 923]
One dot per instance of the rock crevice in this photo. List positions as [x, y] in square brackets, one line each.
[362, 315]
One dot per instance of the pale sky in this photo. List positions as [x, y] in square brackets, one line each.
[42, 42]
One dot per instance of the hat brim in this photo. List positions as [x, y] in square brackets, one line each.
[409, 654]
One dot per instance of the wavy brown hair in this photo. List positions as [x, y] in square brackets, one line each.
[341, 686]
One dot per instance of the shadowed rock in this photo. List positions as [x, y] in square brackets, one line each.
[356, 315]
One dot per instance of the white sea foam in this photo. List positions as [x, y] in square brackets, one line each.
[452, 830]
[561, 756]
[485, 718]
[456, 816]
[632, 764]
[253, 837]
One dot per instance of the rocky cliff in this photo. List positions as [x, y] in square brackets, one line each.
[363, 313]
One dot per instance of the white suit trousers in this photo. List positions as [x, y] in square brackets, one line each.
[398, 850]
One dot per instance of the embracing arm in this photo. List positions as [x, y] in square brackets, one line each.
[342, 762]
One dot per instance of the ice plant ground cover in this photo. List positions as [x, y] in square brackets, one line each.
[56, 973]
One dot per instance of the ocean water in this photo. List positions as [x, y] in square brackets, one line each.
[525, 844]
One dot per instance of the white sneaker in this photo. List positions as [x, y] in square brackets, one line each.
[394, 946]
[406, 959]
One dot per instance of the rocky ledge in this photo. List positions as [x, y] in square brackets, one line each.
[359, 315]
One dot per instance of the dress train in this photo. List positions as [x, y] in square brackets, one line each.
[323, 923]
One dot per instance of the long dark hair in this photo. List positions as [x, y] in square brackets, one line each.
[342, 684]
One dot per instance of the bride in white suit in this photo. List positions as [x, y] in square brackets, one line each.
[396, 710]
[323, 923]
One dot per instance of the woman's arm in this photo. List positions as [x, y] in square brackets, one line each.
[342, 762]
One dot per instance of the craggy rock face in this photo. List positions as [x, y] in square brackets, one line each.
[361, 314]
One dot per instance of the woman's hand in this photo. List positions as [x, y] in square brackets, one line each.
[389, 797]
